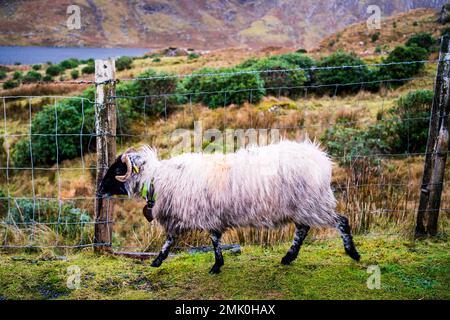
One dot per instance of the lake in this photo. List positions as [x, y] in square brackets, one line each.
[37, 55]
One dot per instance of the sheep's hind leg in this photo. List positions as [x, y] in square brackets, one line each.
[344, 230]
[215, 238]
[164, 253]
[300, 234]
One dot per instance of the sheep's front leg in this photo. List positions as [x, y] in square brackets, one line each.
[163, 254]
[300, 234]
[215, 238]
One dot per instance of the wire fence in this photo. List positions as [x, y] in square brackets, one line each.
[48, 160]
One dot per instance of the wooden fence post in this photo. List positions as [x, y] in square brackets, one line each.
[437, 148]
[105, 129]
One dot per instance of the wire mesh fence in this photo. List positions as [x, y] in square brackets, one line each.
[48, 160]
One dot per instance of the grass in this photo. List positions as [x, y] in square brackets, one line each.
[409, 270]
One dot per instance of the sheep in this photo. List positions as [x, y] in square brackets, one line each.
[258, 186]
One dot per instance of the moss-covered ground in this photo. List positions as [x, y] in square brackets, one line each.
[409, 270]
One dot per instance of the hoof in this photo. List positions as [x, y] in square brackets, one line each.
[286, 260]
[354, 255]
[156, 263]
[215, 269]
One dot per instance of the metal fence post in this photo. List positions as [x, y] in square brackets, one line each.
[105, 129]
[437, 148]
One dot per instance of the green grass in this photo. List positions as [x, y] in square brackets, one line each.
[409, 270]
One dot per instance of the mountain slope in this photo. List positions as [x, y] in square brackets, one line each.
[204, 24]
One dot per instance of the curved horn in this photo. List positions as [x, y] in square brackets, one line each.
[127, 175]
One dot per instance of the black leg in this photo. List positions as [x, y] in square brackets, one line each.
[344, 229]
[164, 251]
[300, 234]
[215, 238]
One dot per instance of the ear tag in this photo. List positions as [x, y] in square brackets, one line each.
[135, 169]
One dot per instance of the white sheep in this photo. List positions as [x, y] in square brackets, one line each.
[266, 186]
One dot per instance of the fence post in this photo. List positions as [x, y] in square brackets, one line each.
[437, 148]
[105, 129]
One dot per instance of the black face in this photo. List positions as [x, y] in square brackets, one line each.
[110, 185]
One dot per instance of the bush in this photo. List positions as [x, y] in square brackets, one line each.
[348, 79]
[37, 67]
[123, 63]
[280, 81]
[155, 89]
[402, 71]
[17, 75]
[192, 56]
[353, 145]
[47, 78]
[156, 60]
[10, 84]
[423, 40]
[89, 69]
[410, 121]
[53, 70]
[445, 31]
[222, 89]
[74, 74]
[69, 63]
[43, 128]
[374, 37]
[32, 76]
[3, 74]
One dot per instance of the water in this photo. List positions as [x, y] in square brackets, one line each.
[37, 55]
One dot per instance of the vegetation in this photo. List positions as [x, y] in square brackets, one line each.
[69, 63]
[74, 74]
[423, 40]
[124, 63]
[17, 75]
[53, 70]
[10, 84]
[46, 149]
[402, 72]
[32, 76]
[3, 74]
[409, 270]
[221, 89]
[89, 69]
[342, 80]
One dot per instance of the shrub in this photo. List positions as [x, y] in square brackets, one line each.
[192, 56]
[47, 78]
[348, 79]
[423, 40]
[374, 37]
[222, 89]
[10, 84]
[37, 67]
[3, 74]
[410, 121]
[74, 74]
[402, 71]
[17, 63]
[353, 145]
[53, 70]
[155, 89]
[89, 69]
[445, 31]
[32, 76]
[123, 63]
[280, 81]
[156, 60]
[17, 75]
[69, 63]
[43, 128]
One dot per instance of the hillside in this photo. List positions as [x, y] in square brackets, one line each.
[200, 24]
[395, 30]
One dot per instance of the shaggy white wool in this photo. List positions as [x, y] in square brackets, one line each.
[264, 186]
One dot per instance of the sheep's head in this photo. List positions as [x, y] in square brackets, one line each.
[124, 176]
